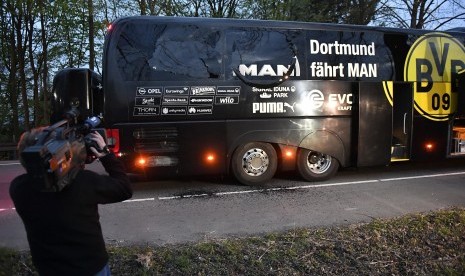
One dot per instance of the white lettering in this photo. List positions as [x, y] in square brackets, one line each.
[340, 98]
[347, 107]
[363, 70]
[342, 49]
[268, 107]
[203, 90]
[251, 70]
[314, 47]
[323, 69]
[255, 89]
[268, 70]
[281, 89]
[280, 95]
[225, 100]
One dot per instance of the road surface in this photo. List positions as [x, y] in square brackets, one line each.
[178, 211]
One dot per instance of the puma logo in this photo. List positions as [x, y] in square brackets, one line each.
[290, 106]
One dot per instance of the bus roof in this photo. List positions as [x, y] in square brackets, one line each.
[227, 22]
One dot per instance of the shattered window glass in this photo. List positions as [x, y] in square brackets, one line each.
[147, 52]
[264, 53]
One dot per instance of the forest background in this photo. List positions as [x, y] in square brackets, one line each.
[40, 37]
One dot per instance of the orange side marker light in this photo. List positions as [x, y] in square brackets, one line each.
[429, 147]
[141, 161]
[210, 158]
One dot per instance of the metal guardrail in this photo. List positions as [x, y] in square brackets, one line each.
[8, 151]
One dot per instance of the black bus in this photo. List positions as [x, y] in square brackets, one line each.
[191, 96]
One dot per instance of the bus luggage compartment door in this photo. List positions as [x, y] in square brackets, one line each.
[372, 127]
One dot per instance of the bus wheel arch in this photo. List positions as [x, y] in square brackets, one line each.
[316, 166]
[319, 156]
[254, 163]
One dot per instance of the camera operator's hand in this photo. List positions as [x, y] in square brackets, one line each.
[98, 139]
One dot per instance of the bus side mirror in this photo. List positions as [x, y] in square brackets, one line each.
[79, 88]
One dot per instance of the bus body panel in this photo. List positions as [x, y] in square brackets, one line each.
[184, 147]
[186, 90]
[190, 143]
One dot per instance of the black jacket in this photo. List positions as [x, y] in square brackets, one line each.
[63, 228]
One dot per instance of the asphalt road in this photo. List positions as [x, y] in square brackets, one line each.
[176, 211]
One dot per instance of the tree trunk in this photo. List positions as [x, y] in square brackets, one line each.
[414, 14]
[91, 35]
[151, 4]
[46, 117]
[12, 81]
[35, 72]
[22, 70]
[143, 7]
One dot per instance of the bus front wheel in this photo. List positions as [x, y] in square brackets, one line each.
[254, 163]
[316, 166]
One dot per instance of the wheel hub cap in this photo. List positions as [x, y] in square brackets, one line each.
[318, 163]
[255, 162]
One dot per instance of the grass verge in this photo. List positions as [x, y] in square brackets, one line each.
[420, 244]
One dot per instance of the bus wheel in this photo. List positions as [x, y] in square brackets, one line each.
[254, 163]
[315, 166]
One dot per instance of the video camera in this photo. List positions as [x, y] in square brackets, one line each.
[49, 159]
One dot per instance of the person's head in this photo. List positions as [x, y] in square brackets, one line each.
[30, 138]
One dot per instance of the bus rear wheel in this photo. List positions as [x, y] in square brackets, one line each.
[254, 163]
[316, 166]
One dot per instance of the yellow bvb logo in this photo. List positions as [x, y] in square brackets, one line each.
[432, 64]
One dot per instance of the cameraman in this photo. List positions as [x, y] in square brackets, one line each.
[63, 228]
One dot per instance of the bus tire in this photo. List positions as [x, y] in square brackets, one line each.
[316, 166]
[254, 163]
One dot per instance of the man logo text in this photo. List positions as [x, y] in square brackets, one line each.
[267, 70]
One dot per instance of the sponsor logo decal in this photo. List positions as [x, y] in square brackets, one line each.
[174, 100]
[200, 110]
[227, 100]
[268, 107]
[433, 63]
[275, 92]
[174, 110]
[201, 100]
[314, 99]
[234, 90]
[256, 70]
[203, 90]
[141, 91]
[325, 69]
[147, 101]
[146, 111]
[341, 49]
[149, 91]
[265, 95]
[176, 90]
